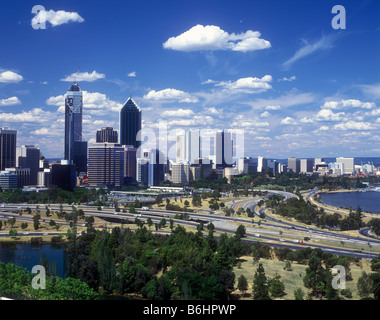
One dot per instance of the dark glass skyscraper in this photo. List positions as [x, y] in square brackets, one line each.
[7, 148]
[75, 147]
[130, 124]
[28, 156]
[223, 149]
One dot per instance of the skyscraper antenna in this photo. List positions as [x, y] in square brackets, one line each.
[130, 90]
[77, 74]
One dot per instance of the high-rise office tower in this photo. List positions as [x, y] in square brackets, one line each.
[272, 166]
[7, 148]
[28, 156]
[106, 165]
[44, 178]
[193, 145]
[349, 166]
[294, 164]
[107, 134]
[150, 168]
[306, 165]
[246, 164]
[129, 165]
[63, 175]
[156, 167]
[130, 124]
[181, 173]
[180, 147]
[142, 171]
[188, 146]
[223, 149]
[318, 161]
[75, 146]
[262, 164]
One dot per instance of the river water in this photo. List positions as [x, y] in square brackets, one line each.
[368, 201]
[27, 256]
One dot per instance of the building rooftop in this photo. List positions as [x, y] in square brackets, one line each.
[74, 87]
[130, 104]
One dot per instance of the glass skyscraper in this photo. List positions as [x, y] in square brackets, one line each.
[75, 147]
[7, 148]
[130, 124]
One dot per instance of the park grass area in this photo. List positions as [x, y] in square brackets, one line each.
[292, 279]
[44, 226]
[205, 203]
[269, 187]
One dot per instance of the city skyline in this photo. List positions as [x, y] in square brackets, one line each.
[298, 88]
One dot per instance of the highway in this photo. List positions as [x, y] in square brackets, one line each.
[222, 224]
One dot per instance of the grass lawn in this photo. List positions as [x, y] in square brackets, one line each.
[292, 279]
[205, 203]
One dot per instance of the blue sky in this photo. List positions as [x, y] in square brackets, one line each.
[276, 69]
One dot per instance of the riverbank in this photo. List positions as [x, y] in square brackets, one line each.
[316, 199]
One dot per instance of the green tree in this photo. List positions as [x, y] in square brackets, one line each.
[260, 287]
[315, 277]
[276, 287]
[210, 226]
[331, 293]
[13, 233]
[364, 285]
[255, 253]
[240, 232]
[36, 221]
[299, 294]
[149, 222]
[12, 221]
[162, 222]
[375, 279]
[159, 199]
[288, 266]
[242, 284]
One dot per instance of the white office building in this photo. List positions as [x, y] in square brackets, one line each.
[262, 164]
[348, 163]
[181, 173]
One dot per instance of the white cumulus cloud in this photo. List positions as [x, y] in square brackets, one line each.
[170, 95]
[349, 103]
[290, 79]
[178, 113]
[12, 101]
[247, 85]
[56, 18]
[84, 76]
[211, 37]
[94, 102]
[288, 121]
[36, 115]
[354, 125]
[10, 77]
